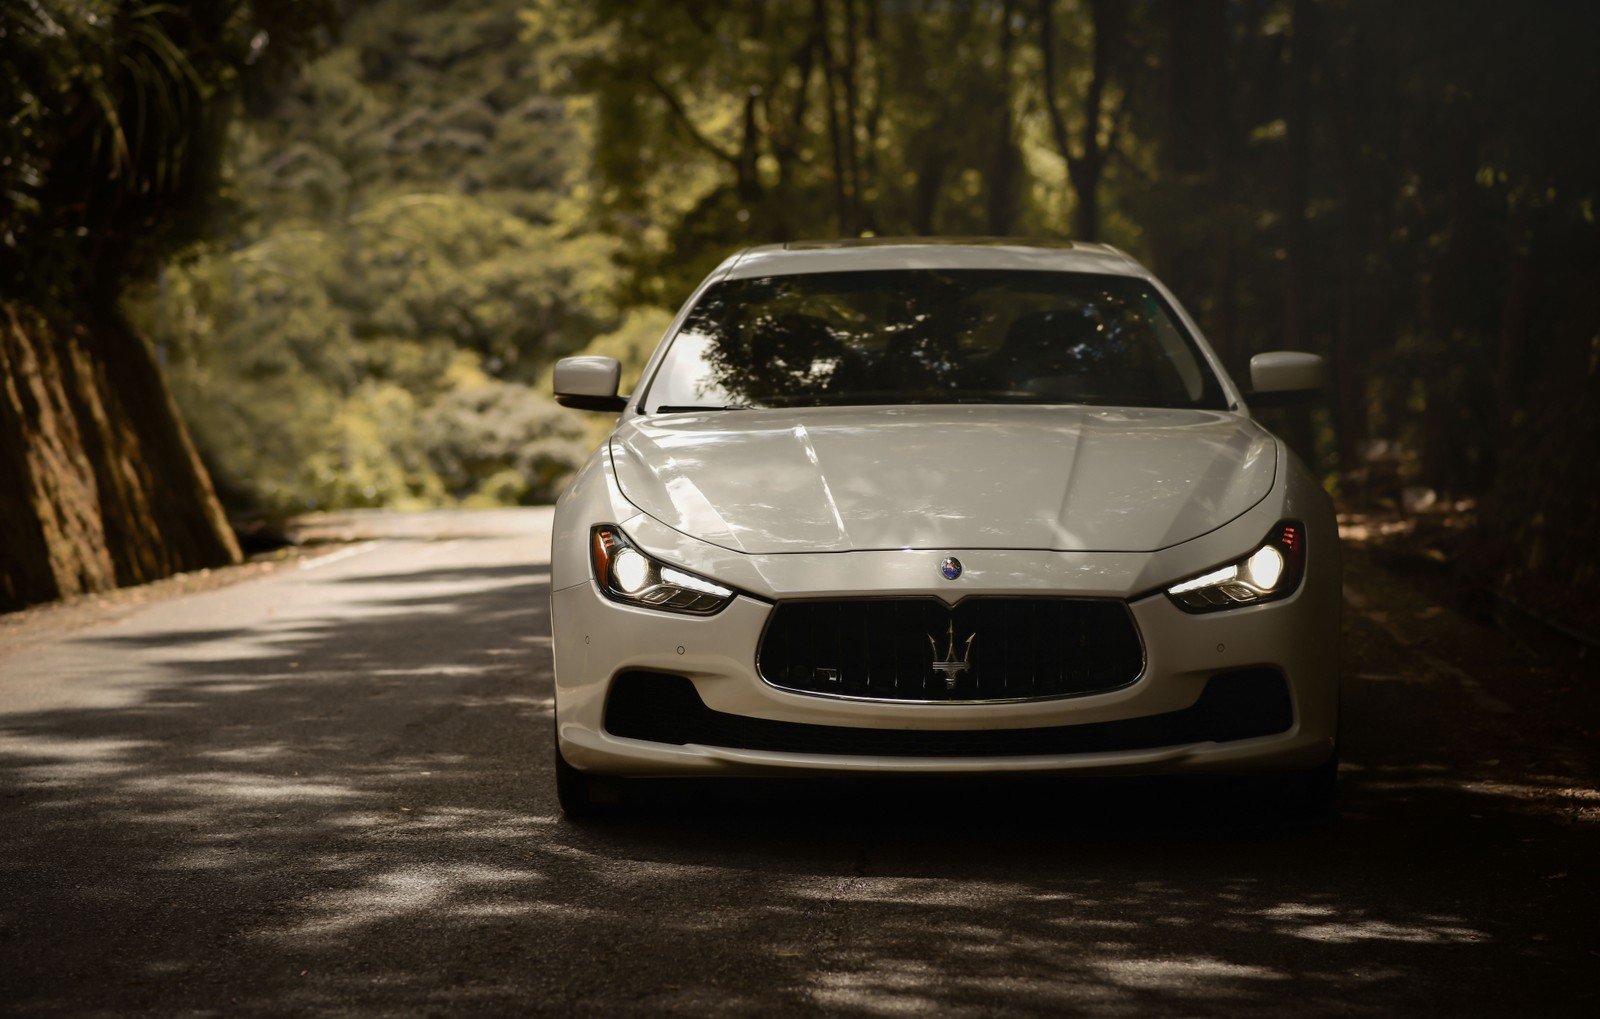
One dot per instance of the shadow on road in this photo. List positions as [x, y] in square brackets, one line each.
[356, 819]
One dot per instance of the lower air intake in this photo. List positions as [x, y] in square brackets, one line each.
[663, 708]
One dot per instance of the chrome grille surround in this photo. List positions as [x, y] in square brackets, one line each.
[917, 650]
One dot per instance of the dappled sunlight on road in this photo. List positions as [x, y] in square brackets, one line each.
[1328, 923]
[41, 762]
[226, 789]
[1548, 794]
[433, 892]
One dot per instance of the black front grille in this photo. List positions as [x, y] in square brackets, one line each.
[663, 708]
[920, 649]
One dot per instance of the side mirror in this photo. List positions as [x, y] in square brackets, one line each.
[1281, 377]
[589, 383]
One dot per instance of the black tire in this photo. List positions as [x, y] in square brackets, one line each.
[574, 789]
[581, 794]
[1312, 793]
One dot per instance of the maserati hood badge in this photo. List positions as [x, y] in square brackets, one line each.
[951, 567]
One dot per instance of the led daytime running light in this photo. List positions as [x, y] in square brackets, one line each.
[678, 578]
[1210, 579]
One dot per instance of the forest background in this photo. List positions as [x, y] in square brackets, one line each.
[311, 254]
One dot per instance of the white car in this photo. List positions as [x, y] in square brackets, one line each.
[929, 506]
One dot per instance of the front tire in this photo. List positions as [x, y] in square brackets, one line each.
[574, 790]
[581, 794]
[1312, 793]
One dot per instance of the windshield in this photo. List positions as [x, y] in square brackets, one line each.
[905, 336]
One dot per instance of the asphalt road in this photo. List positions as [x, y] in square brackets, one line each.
[326, 790]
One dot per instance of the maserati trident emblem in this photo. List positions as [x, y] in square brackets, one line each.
[951, 567]
[952, 667]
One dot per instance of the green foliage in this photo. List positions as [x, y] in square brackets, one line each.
[495, 443]
[459, 268]
[756, 121]
[303, 394]
[407, 258]
[111, 113]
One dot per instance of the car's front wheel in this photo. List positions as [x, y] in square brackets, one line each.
[581, 794]
[1313, 792]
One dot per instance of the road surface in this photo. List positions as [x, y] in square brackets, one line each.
[326, 790]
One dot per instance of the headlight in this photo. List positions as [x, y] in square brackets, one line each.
[628, 575]
[1272, 571]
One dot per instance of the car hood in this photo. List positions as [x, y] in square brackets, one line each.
[944, 477]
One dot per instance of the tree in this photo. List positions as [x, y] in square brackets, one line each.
[111, 117]
[405, 259]
[1097, 137]
[769, 121]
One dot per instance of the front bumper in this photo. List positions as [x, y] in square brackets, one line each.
[598, 640]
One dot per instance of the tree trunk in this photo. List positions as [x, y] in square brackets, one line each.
[872, 114]
[1085, 165]
[1195, 179]
[931, 171]
[1006, 159]
[1222, 193]
[1297, 174]
[784, 133]
[99, 483]
[836, 141]
[1516, 328]
[852, 151]
[1087, 169]
[54, 542]
[1296, 195]
[1047, 75]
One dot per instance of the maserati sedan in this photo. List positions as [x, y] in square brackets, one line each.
[910, 506]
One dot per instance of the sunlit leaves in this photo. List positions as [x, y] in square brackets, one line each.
[409, 253]
[340, 367]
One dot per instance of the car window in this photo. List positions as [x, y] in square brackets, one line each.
[903, 336]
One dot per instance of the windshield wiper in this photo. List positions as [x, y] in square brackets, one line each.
[689, 408]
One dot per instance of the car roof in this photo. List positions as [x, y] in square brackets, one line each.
[869, 253]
